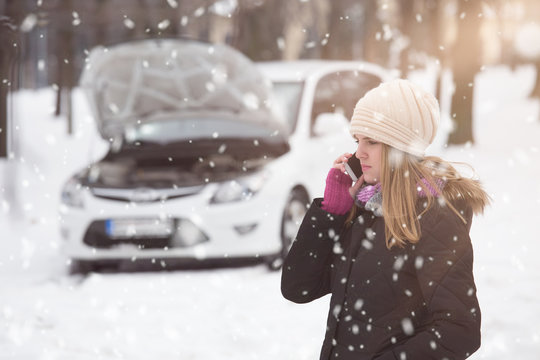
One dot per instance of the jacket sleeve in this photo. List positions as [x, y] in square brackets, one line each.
[306, 272]
[444, 267]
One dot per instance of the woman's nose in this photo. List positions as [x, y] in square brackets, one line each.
[359, 152]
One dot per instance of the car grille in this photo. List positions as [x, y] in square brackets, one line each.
[145, 194]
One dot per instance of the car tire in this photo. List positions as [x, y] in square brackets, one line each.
[82, 267]
[293, 213]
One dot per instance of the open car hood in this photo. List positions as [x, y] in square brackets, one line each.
[137, 82]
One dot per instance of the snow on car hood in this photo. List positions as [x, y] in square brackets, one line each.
[137, 82]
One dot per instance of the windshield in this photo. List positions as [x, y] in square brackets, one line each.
[173, 130]
[286, 96]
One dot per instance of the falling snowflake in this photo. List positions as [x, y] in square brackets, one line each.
[419, 262]
[336, 310]
[130, 24]
[358, 304]
[172, 3]
[164, 24]
[407, 326]
[398, 264]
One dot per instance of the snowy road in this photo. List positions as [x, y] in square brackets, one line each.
[225, 314]
[232, 313]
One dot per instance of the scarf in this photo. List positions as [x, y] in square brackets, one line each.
[369, 197]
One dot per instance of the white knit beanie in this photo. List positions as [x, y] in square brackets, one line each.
[397, 113]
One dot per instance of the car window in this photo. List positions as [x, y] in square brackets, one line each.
[286, 98]
[339, 92]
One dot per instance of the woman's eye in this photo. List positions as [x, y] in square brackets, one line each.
[372, 142]
[356, 141]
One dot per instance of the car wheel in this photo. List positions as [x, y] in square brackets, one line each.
[82, 267]
[293, 214]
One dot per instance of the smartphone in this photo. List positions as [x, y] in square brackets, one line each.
[353, 167]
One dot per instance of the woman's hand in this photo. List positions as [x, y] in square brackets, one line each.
[338, 193]
[339, 164]
[353, 190]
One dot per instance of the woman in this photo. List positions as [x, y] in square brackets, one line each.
[394, 249]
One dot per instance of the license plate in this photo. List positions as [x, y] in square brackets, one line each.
[138, 228]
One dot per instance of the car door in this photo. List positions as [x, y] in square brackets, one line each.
[334, 99]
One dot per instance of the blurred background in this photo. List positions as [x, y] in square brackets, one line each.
[480, 58]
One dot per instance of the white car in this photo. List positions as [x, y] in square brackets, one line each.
[208, 160]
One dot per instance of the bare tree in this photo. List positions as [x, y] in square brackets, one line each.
[258, 26]
[352, 29]
[8, 64]
[466, 62]
[8, 34]
[66, 73]
[407, 23]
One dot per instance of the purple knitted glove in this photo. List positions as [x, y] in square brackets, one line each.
[337, 199]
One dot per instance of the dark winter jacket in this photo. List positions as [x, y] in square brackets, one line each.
[416, 303]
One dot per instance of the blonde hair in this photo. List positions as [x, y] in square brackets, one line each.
[402, 177]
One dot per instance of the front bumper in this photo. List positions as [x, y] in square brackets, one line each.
[248, 228]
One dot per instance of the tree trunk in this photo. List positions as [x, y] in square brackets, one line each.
[462, 109]
[373, 48]
[435, 15]
[466, 61]
[351, 26]
[66, 71]
[257, 28]
[7, 65]
[340, 44]
[535, 93]
[407, 28]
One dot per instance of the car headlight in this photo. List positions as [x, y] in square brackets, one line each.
[72, 194]
[239, 189]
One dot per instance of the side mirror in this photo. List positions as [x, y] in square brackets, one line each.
[330, 123]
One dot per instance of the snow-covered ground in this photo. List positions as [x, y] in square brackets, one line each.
[238, 313]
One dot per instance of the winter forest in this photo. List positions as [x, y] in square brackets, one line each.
[72, 203]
